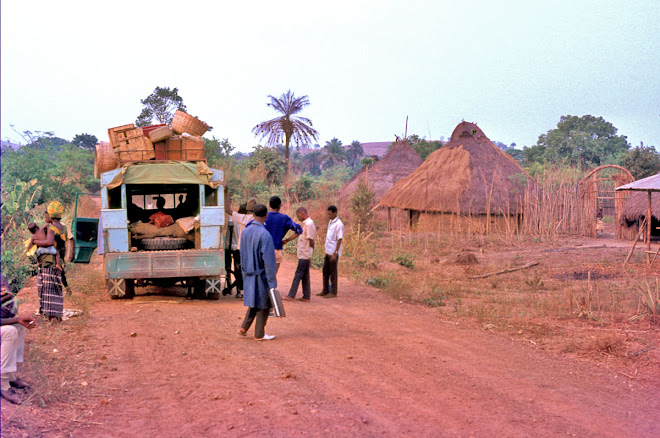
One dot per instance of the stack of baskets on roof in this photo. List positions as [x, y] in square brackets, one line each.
[182, 141]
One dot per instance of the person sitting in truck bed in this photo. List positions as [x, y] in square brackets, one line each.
[161, 218]
[185, 208]
[136, 213]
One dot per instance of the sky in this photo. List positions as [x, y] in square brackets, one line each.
[513, 67]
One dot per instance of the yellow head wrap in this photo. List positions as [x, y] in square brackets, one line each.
[55, 210]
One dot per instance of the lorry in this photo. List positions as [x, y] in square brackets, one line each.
[188, 191]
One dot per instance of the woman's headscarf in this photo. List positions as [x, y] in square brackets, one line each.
[55, 210]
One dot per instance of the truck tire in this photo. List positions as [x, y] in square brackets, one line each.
[120, 288]
[164, 243]
[198, 289]
[206, 289]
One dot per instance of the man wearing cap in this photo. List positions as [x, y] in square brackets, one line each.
[239, 220]
[259, 273]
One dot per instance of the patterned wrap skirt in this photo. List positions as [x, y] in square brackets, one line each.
[49, 288]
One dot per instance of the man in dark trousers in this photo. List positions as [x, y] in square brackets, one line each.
[333, 240]
[259, 273]
[305, 252]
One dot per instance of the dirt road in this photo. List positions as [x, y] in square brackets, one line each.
[360, 365]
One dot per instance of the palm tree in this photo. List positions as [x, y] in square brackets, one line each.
[354, 152]
[311, 162]
[334, 152]
[287, 126]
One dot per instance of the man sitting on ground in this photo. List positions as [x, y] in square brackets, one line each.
[13, 343]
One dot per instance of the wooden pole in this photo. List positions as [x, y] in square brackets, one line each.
[641, 230]
[648, 231]
[505, 271]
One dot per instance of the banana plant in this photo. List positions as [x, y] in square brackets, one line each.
[18, 204]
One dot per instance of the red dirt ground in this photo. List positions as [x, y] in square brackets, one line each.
[363, 364]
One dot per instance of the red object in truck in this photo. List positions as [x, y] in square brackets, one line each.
[161, 152]
[147, 129]
[161, 220]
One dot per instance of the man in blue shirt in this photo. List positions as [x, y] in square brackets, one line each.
[278, 225]
[258, 265]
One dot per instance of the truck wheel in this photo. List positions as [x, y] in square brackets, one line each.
[120, 288]
[207, 289]
[198, 289]
[164, 243]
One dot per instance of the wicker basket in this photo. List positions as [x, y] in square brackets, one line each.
[105, 158]
[184, 122]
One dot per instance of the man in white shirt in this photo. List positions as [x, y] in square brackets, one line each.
[239, 220]
[333, 240]
[305, 252]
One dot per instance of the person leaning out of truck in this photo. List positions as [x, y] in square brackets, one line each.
[240, 219]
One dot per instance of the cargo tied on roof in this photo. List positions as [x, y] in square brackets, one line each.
[182, 141]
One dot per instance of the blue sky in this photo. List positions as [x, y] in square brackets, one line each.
[513, 67]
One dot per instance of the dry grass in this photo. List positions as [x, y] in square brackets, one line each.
[56, 365]
[577, 301]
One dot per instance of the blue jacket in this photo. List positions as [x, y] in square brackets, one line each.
[258, 265]
[278, 225]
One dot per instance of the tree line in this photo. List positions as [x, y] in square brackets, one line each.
[46, 167]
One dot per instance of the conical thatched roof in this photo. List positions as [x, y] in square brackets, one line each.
[469, 175]
[397, 163]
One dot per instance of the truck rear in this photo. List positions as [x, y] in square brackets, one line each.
[139, 249]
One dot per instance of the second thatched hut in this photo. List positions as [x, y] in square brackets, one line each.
[637, 205]
[467, 185]
[397, 163]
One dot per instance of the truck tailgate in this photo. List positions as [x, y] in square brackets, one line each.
[164, 264]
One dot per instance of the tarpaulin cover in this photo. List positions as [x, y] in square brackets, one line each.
[165, 172]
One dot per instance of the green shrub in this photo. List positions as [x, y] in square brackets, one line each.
[435, 298]
[404, 259]
[291, 247]
[317, 260]
[303, 188]
[379, 281]
[361, 201]
[16, 266]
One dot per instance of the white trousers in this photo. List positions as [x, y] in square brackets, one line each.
[12, 347]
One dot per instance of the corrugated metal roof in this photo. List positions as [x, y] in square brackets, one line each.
[651, 183]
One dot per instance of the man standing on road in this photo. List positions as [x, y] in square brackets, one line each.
[278, 225]
[259, 273]
[305, 252]
[333, 240]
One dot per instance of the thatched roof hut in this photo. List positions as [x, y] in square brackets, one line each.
[468, 175]
[636, 207]
[396, 164]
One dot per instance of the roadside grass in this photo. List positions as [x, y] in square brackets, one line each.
[570, 303]
[55, 364]
[555, 305]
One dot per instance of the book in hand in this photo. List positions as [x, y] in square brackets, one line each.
[276, 303]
